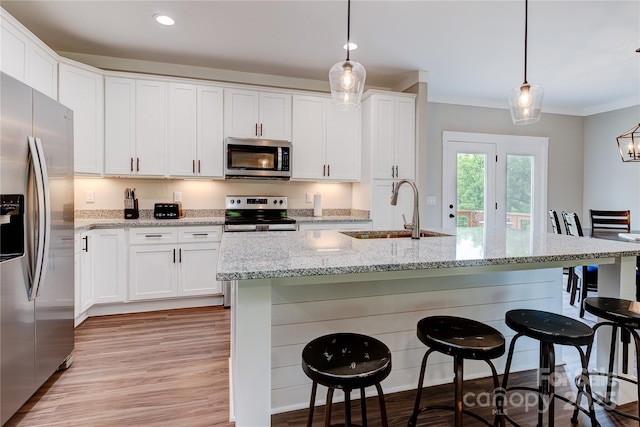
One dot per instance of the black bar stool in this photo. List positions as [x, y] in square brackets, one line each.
[619, 314]
[462, 339]
[346, 361]
[549, 329]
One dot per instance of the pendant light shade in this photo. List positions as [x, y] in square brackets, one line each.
[525, 101]
[346, 78]
[629, 145]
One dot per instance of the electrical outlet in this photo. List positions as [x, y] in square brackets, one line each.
[177, 196]
[309, 197]
[91, 196]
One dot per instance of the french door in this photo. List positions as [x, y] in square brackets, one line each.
[494, 181]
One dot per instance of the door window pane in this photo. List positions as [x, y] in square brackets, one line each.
[471, 189]
[519, 191]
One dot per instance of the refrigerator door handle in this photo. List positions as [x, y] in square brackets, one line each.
[43, 216]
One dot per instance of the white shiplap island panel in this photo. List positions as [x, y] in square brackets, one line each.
[291, 287]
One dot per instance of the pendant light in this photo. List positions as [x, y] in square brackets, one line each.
[629, 143]
[346, 78]
[525, 101]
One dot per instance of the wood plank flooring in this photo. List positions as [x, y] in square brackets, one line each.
[170, 368]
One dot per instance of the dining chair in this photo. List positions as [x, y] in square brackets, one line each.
[584, 278]
[555, 223]
[610, 221]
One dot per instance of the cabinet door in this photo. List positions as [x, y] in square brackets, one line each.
[14, 51]
[83, 92]
[275, 116]
[383, 135]
[241, 113]
[109, 266]
[43, 71]
[343, 153]
[120, 128]
[405, 137]
[150, 127]
[197, 264]
[85, 291]
[210, 152]
[182, 141]
[152, 271]
[309, 136]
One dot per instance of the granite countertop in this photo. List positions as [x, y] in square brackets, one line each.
[91, 223]
[314, 253]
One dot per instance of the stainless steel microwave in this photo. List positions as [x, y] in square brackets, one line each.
[257, 158]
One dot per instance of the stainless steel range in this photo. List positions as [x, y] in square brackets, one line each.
[257, 213]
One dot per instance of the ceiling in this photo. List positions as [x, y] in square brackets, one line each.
[581, 52]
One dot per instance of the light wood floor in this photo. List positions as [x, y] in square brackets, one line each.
[170, 368]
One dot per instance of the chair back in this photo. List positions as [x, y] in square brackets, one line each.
[610, 221]
[572, 223]
[555, 223]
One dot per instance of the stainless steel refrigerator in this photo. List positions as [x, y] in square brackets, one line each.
[36, 241]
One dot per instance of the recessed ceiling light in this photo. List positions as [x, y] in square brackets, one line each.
[351, 45]
[163, 19]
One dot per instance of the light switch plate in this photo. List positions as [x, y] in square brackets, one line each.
[309, 197]
[177, 196]
[91, 196]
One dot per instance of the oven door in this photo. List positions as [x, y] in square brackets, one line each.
[260, 158]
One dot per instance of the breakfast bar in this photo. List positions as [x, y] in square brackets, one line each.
[291, 287]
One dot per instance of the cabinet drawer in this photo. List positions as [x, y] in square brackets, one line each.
[151, 235]
[199, 234]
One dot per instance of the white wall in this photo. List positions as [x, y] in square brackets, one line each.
[608, 182]
[109, 192]
[565, 135]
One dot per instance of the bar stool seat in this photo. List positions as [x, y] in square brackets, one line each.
[550, 329]
[463, 339]
[346, 361]
[624, 315]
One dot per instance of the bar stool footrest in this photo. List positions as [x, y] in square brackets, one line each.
[597, 398]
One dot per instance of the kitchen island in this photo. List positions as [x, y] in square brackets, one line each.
[291, 287]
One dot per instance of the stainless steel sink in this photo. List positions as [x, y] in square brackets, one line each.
[390, 234]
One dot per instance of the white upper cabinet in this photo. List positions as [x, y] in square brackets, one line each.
[326, 142]
[392, 135]
[195, 141]
[82, 90]
[253, 114]
[135, 127]
[24, 57]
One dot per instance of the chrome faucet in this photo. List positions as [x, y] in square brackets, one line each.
[414, 225]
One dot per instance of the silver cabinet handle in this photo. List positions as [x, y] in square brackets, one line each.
[198, 166]
[260, 129]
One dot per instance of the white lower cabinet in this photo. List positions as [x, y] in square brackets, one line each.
[84, 272]
[173, 262]
[109, 265]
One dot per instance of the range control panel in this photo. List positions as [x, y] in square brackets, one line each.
[256, 202]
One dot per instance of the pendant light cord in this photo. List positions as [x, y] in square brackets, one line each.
[348, 27]
[526, 20]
